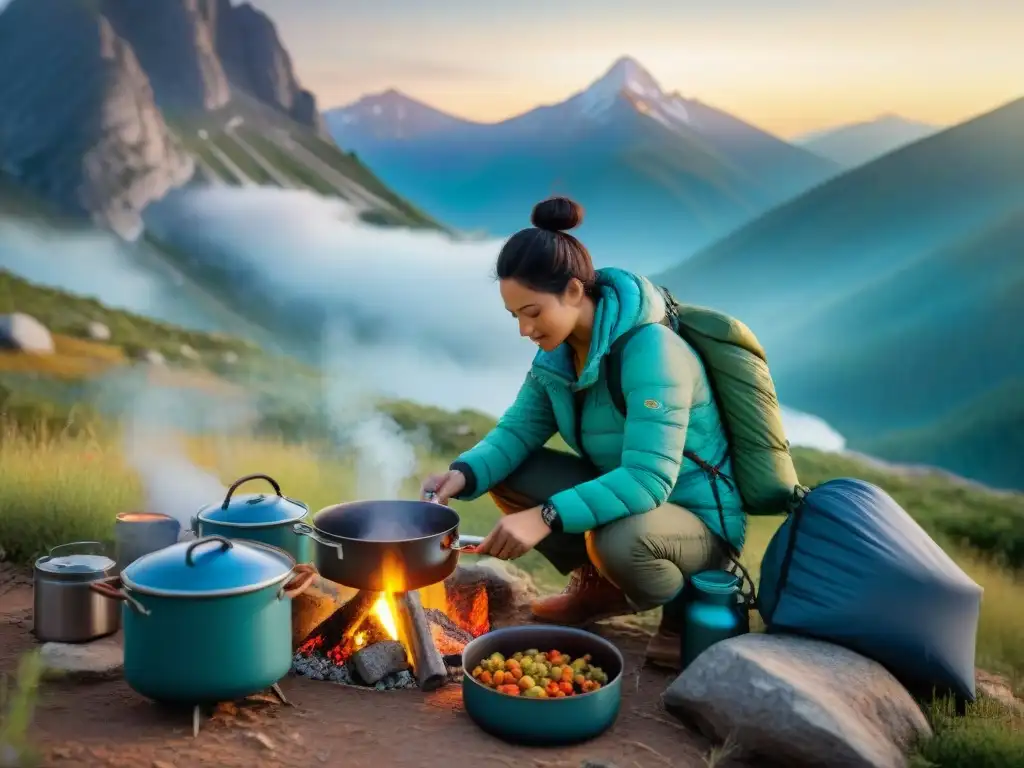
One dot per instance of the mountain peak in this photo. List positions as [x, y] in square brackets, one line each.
[626, 74]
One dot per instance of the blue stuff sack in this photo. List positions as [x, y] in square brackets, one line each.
[851, 567]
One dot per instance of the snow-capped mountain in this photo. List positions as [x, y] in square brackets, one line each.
[660, 174]
[389, 116]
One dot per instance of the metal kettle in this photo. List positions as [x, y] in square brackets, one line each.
[65, 609]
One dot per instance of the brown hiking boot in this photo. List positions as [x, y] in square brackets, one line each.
[663, 649]
[587, 598]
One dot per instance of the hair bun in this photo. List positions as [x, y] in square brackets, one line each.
[557, 214]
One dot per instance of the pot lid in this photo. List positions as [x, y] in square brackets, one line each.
[207, 566]
[75, 563]
[254, 509]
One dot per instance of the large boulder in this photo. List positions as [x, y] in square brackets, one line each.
[799, 702]
[24, 333]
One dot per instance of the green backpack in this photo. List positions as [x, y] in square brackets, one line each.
[743, 389]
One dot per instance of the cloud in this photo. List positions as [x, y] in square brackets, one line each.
[440, 333]
[426, 305]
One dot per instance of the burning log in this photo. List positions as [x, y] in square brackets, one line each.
[468, 605]
[314, 606]
[340, 628]
[449, 637]
[414, 630]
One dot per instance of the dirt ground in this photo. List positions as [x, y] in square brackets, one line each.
[108, 724]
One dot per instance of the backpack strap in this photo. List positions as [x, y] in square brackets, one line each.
[714, 474]
[613, 365]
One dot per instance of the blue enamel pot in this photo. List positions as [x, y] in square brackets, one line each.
[208, 620]
[543, 722]
[266, 518]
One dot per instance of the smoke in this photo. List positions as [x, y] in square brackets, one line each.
[156, 420]
[385, 456]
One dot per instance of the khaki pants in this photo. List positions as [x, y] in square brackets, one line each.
[647, 556]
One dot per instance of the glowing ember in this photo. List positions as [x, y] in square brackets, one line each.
[382, 610]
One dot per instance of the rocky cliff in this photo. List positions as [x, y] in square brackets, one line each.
[79, 125]
[255, 60]
[195, 51]
[86, 86]
[174, 44]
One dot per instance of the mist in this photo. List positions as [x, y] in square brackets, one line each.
[439, 333]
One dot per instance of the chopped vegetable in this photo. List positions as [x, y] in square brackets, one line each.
[540, 674]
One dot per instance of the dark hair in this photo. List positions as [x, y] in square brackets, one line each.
[545, 257]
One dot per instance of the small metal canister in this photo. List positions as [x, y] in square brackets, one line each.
[139, 533]
[66, 610]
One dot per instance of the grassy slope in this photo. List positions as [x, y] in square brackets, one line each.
[69, 314]
[853, 228]
[259, 123]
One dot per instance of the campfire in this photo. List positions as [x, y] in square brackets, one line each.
[393, 640]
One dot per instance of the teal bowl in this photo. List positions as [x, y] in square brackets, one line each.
[543, 722]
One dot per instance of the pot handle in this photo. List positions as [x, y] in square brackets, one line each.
[466, 544]
[107, 589]
[247, 478]
[92, 544]
[303, 529]
[303, 576]
[225, 546]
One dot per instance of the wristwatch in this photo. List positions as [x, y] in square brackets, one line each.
[549, 515]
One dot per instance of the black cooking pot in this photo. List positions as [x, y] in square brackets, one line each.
[386, 546]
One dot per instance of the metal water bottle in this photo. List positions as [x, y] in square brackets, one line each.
[717, 610]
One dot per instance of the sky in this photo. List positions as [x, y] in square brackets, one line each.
[790, 66]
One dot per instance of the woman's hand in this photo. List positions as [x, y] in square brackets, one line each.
[442, 487]
[514, 535]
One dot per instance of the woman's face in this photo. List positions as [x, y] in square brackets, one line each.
[546, 319]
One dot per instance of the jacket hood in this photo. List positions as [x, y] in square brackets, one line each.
[626, 301]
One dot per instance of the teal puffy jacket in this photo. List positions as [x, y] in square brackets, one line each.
[669, 410]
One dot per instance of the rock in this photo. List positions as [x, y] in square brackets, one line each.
[229, 357]
[79, 125]
[799, 702]
[162, 764]
[188, 352]
[10, 757]
[375, 662]
[153, 357]
[99, 660]
[25, 334]
[97, 331]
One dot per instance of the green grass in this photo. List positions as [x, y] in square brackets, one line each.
[62, 487]
[17, 706]
[69, 314]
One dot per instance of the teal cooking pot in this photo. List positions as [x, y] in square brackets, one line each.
[266, 518]
[543, 722]
[208, 620]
